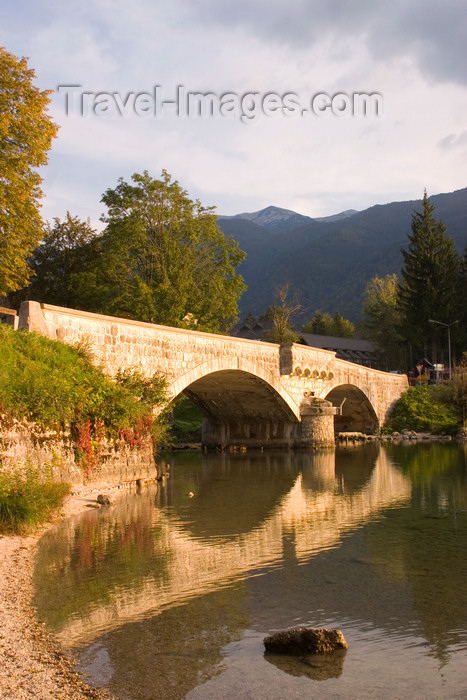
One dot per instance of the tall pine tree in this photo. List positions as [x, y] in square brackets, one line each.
[428, 288]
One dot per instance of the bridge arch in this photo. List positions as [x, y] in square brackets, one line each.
[242, 404]
[264, 379]
[357, 413]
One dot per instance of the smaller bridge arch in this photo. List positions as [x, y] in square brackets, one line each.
[356, 412]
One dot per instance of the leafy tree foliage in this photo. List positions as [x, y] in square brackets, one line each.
[459, 389]
[69, 247]
[430, 278]
[325, 324]
[382, 319]
[164, 259]
[341, 327]
[26, 133]
[187, 421]
[461, 336]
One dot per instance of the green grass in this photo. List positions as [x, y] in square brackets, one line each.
[27, 498]
[57, 387]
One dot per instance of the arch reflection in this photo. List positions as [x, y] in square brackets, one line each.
[98, 571]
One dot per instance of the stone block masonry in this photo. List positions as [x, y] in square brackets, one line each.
[251, 392]
[23, 445]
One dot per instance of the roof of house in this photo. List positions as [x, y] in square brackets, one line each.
[351, 349]
[331, 342]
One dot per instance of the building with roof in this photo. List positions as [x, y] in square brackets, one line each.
[362, 352]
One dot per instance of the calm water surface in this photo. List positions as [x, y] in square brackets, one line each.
[169, 593]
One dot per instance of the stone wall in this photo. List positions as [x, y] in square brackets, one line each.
[22, 444]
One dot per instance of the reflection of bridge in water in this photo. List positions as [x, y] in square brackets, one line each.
[311, 517]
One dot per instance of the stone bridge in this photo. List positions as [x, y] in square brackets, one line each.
[251, 393]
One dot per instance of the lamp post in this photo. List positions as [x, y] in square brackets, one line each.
[448, 326]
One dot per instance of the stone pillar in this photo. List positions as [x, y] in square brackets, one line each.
[317, 424]
[213, 435]
[250, 432]
[286, 358]
[31, 318]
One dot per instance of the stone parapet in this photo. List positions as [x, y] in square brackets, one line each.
[9, 317]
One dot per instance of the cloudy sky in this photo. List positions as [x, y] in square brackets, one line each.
[411, 53]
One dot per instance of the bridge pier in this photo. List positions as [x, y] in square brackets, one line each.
[316, 429]
[249, 432]
[317, 423]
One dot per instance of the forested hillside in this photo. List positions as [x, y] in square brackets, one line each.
[329, 262]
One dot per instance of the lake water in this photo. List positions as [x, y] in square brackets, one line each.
[169, 593]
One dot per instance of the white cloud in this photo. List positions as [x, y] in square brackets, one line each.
[318, 166]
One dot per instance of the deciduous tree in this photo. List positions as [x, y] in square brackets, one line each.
[281, 313]
[325, 324]
[381, 319]
[342, 327]
[165, 260]
[26, 133]
[459, 389]
[70, 247]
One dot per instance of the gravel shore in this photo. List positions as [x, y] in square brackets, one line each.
[32, 663]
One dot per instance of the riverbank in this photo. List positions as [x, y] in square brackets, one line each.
[32, 663]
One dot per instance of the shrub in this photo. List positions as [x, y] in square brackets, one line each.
[187, 421]
[420, 409]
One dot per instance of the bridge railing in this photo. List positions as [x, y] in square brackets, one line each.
[9, 317]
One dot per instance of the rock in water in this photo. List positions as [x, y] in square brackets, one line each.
[305, 640]
[103, 499]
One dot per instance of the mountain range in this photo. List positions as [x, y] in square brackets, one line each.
[328, 261]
